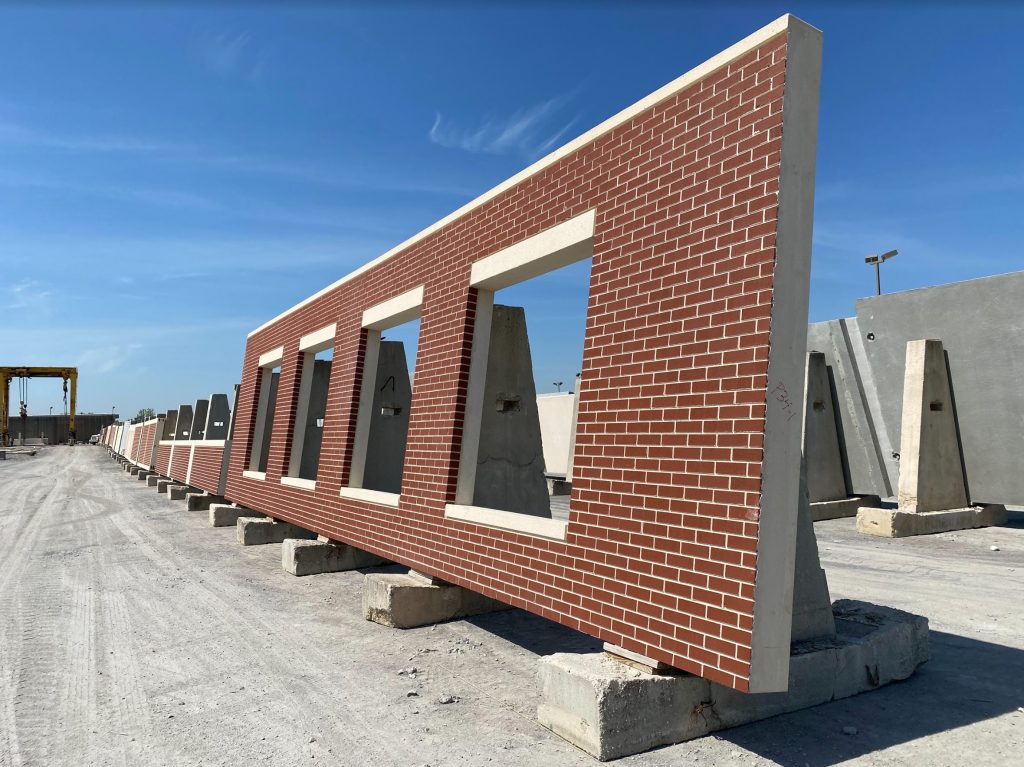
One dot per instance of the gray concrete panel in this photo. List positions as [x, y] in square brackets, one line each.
[170, 425]
[183, 428]
[981, 325]
[218, 417]
[315, 414]
[199, 412]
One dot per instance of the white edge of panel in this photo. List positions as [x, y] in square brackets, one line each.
[373, 496]
[260, 475]
[553, 529]
[696, 74]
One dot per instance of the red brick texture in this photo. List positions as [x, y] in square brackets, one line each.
[206, 466]
[163, 460]
[660, 553]
[179, 462]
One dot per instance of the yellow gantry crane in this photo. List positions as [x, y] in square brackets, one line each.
[24, 373]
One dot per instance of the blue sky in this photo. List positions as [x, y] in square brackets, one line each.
[170, 178]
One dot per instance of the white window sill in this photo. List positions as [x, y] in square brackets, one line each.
[260, 475]
[302, 484]
[542, 527]
[373, 496]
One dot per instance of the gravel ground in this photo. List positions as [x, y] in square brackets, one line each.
[132, 633]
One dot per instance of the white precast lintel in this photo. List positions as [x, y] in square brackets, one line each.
[559, 246]
[402, 308]
[272, 357]
[318, 340]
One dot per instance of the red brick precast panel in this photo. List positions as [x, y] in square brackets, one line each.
[163, 460]
[206, 466]
[660, 555]
[144, 444]
[179, 462]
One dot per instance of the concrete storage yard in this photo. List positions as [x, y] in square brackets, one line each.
[133, 633]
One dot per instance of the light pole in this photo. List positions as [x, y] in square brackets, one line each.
[51, 409]
[558, 385]
[877, 261]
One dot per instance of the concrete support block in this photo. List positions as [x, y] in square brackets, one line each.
[408, 601]
[894, 523]
[611, 709]
[846, 507]
[152, 479]
[228, 514]
[131, 468]
[163, 484]
[303, 557]
[201, 501]
[143, 474]
[256, 532]
[177, 492]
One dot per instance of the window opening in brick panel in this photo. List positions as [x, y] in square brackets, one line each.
[519, 429]
[269, 377]
[308, 427]
[385, 397]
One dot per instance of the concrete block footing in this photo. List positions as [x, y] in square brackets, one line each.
[254, 531]
[152, 479]
[610, 709]
[407, 601]
[304, 557]
[844, 507]
[163, 484]
[893, 523]
[201, 501]
[178, 492]
[228, 514]
[131, 469]
[143, 474]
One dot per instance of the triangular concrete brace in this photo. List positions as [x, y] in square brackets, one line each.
[931, 474]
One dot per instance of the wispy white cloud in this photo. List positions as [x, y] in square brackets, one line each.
[528, 131]
[27, 294]
[21, 135]
[229, 54]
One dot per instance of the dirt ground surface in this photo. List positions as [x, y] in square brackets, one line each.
[132, 633]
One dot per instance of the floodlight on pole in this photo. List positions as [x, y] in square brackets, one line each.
[558, 384]
[877, 262]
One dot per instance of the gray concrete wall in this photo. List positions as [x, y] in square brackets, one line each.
[981, 325]
[54, 428]
[313, 437]
[268, 422]
[218, 417]
[510, 460]
[199, 413]
[170, 424]
[183, 428]
[389, 422]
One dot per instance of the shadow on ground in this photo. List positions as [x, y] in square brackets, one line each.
[531, 632]
[965, 682]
